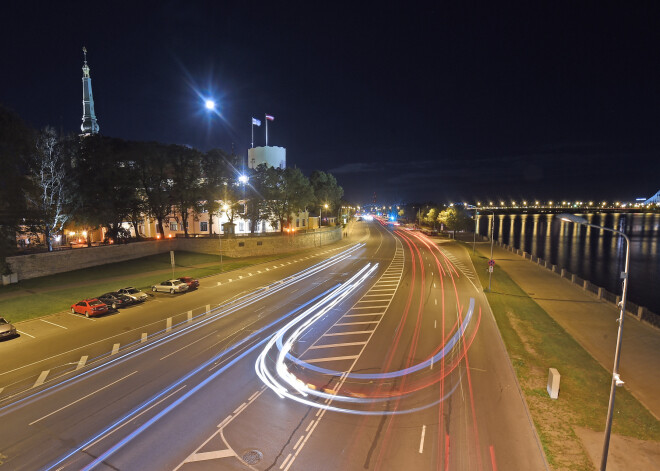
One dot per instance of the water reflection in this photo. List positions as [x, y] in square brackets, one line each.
[590, 253]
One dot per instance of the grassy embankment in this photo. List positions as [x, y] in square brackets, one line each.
[536, 342]
[47, 295]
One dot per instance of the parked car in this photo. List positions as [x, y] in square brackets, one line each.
[89, 307]
[192, 283]
[171, 286]
[7, 330]
[133, 293]
[115, 300]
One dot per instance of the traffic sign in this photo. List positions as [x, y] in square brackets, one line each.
[491, 263]
[490, 269]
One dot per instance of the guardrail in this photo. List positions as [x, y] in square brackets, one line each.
[639, 312]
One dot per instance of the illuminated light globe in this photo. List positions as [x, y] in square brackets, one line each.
[243, 179]
[210, 104]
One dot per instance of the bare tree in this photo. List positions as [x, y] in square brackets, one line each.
[47, 200]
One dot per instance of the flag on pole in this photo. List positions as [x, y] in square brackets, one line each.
[269, 117]
[256, 122]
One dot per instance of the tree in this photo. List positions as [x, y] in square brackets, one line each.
[186, 188]
[214, 168]
[48, 197]
[257, 206]
[455, 219]
[16, 143]
[288, 191]
[155, 175]
[326, 190]
[431, 217]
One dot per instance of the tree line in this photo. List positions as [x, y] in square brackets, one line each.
[49, 180]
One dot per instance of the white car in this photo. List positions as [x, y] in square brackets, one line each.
[171, 286]
[134, 293]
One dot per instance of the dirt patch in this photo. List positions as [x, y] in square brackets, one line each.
[625, 453]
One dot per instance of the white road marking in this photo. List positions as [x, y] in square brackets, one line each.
[25, 333]
[298, 442]
[53, 323]
[434, 285]
[211, 455]
[421, 441]
[365, 314]
[285, 461]
[78, 316]
[115, 349]
[435, 324]
[42, 377]
[240, 408]
[308, 427]
[321, 360]
[368, 307]
[348, 344]
[81, 362]
[84, 397]
[253, 396]
[358, 323]
[436, 302]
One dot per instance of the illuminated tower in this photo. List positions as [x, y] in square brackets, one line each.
[89, 124]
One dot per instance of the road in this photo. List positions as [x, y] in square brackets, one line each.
[380, 354]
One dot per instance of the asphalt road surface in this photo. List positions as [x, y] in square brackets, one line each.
[376, 353]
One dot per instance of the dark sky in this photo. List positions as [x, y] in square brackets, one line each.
[413, 101]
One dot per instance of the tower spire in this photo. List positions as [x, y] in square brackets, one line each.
[89, 124]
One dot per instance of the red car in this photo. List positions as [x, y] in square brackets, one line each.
[191, 282]
[90, 307]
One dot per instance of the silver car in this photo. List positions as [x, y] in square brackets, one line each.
[171, 286]
[6, 329]
[133, 293]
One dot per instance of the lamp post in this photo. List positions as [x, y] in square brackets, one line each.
[225, 207]
[616, 380]
[320, 223]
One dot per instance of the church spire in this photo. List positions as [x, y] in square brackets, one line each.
[89, 124]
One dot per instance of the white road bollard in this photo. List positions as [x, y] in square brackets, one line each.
[168, 324]
[143, 338]
[553, 383]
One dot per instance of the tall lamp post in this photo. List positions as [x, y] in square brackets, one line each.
[321, 222]
[225, 207]
[616, 380]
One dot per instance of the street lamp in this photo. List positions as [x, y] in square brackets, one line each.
[320, 223]
[225, 207]
[616, 380]
[210, 104]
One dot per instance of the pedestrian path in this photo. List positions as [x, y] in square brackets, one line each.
[592, 322]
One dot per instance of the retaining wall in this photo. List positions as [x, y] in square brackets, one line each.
[44, 264]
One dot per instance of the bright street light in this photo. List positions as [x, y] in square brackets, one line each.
[616, 380]
[210, 104]
[243, 179]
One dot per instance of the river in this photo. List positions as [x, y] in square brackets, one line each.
[590, 253]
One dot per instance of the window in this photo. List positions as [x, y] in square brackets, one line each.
[241, 226]
[241, 244]
[304, 222]
[297, 222]
[259, 242]
[174, 226]
[204, 226]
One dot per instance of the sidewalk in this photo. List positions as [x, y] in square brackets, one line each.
[592, 322]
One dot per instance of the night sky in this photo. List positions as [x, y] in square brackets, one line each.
[430, 102]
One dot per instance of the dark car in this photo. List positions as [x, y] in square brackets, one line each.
[191, 282]
[7, 330]
[89, 307]
[115, 300]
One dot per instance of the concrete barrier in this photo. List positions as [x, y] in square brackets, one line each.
[50, 263]
[553, 383]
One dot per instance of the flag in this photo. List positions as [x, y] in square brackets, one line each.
[269, 117]
[256, 122]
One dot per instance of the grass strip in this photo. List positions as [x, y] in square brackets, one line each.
[535, 342]
[38, 297]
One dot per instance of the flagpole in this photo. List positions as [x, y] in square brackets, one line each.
[266, 119]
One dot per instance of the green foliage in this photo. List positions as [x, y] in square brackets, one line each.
[455, 219]
[326, 190]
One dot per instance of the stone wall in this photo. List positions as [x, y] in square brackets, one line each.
[44, 264]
